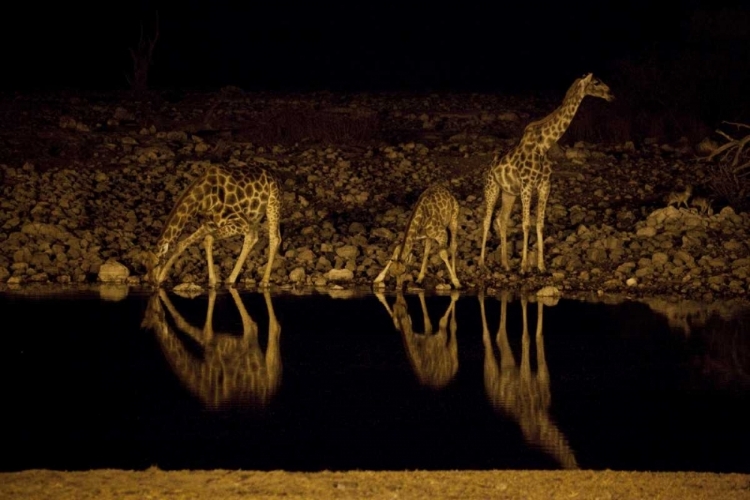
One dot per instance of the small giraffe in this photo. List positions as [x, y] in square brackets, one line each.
[436, 210]
[230, 202]
[680, 197]
[703, 205]
[433, 356]
[526, 168]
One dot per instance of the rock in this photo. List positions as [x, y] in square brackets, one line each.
[357, 228]
[347, 252]
[297, 275]
[113, 272]
[340, 275]
[188, 290]
[548, 291]
[113, 292]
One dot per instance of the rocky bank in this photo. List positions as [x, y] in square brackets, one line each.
[88, 180]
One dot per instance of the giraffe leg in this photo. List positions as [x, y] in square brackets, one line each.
[442, 239]
[249, 327]
[251, 238]
[384, 272]
[540, 212]
[525, 361]
[425, 315]
[181, 247]
[507, 360]
[274, 240]
[453, 228]
[208, 244]
[502, 226]
[526, 224]
[427, 246]
[542, 372]
[208, 326]
[491, 192]
[450, 313]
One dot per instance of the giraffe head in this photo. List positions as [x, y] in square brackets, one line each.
[153, 262]
[401, 318]
[398, 269]
[595, 88]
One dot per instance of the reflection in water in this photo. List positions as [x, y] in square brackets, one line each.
[229, 370]
[516, 392]
[433, 356]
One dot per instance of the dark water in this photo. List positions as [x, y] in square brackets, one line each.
[312, 383]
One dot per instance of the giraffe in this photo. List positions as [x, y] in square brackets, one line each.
[515, 391]
[436, 210]
[527, 167]
[229, 370]
[433, 356]
[229, 202]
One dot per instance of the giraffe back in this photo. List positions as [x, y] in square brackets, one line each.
[434, 210]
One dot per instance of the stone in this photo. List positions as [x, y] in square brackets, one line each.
[112, 271]
[340, 275]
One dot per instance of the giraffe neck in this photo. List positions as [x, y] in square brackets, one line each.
[547, 131]
[412, 230]
[182, 212]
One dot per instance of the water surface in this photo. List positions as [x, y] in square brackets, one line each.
[259, 381]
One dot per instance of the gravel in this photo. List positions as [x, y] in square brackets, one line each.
[87, 183]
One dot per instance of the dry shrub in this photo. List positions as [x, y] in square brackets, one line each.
[329, 126]
[731, 166]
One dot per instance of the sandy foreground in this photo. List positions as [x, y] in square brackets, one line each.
[225, 484]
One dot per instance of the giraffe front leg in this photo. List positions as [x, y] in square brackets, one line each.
[179, 249]
[251, 238]
[443, 252]
[208, 245]
[502, 227]
[427, 246]
[381, 277]
[540, 212]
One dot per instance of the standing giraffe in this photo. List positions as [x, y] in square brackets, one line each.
[436, 210]
[230, 202]
[526, 168]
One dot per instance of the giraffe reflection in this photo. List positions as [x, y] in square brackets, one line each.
[433, 356]
[516, 392]
[230, 370]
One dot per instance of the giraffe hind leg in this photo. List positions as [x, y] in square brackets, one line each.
[274, 236]
[491, 192]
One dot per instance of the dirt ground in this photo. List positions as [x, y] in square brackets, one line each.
[467, 485]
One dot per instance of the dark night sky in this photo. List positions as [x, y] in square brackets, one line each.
[352, 45]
